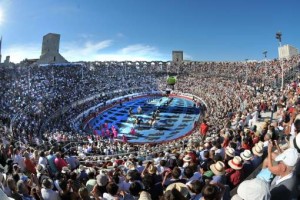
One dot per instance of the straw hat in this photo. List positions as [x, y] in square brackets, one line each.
[131, 156]
[180, 187]
[236, 163]
[246, 155]
[187, 158]
[257, 150]
[218, 168]
[65, 170]
[230, 151]
[127, 164]
[152, 169]
[40, 168]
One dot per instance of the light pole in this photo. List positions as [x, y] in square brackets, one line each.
[278, 37]
[265, 53]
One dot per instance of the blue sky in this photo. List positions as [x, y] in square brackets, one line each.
[215, 30]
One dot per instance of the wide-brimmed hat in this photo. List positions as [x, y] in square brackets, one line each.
[187, 158]
[131, 156]
[188, 149]
[260, 144]
[81, 168]
[180, 187]
[257, 150]
[230, 151]
[218, 168]
[152, 169]
[144, 196]
[65, 170]
[246, 155]
[40, 168]
[208, 139]
[127, 164]
[236, 163]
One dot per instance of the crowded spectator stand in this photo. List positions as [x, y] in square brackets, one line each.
[61, 163]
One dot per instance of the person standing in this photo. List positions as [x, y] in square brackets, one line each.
[203, 129]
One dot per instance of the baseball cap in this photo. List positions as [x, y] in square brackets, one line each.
[289, 157]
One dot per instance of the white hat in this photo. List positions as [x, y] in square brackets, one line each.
[144, 196]
[260, 144]
[127, 164]
[65, 170]
[187, 158]
[206, 144]
[253, 189]
[230, 151]
[246, 155]
[182, 188]
[131, 156]
[236, 163]
[257, 150]
[208, 139]
[289, 157]
[218, 168]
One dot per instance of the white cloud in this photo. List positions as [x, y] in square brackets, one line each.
[187, 56]
[4, 7]
[18, 53]
[89, 51]
[93, 52]
[75, 52]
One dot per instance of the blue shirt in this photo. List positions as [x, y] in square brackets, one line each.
[256, 161]
[219, 179]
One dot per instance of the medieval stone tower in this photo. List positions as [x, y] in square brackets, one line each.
[50, 50]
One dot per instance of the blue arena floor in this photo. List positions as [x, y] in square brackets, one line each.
[175, 119]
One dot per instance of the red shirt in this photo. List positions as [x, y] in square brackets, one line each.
[60, 163]
[235, 177]
[29, 166]
[203, 128]
[226, 142]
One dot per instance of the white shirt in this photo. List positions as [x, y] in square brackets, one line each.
[49, 194]
[278, 179]
[43, 161]
[107, 196]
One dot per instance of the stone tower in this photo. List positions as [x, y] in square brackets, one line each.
[50, 50]
[177, 57]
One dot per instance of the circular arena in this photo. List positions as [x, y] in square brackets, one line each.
[146, 119]
[121, 125]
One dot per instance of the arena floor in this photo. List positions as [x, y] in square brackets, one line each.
[175, 119]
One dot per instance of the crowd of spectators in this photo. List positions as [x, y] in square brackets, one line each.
[206, 165]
